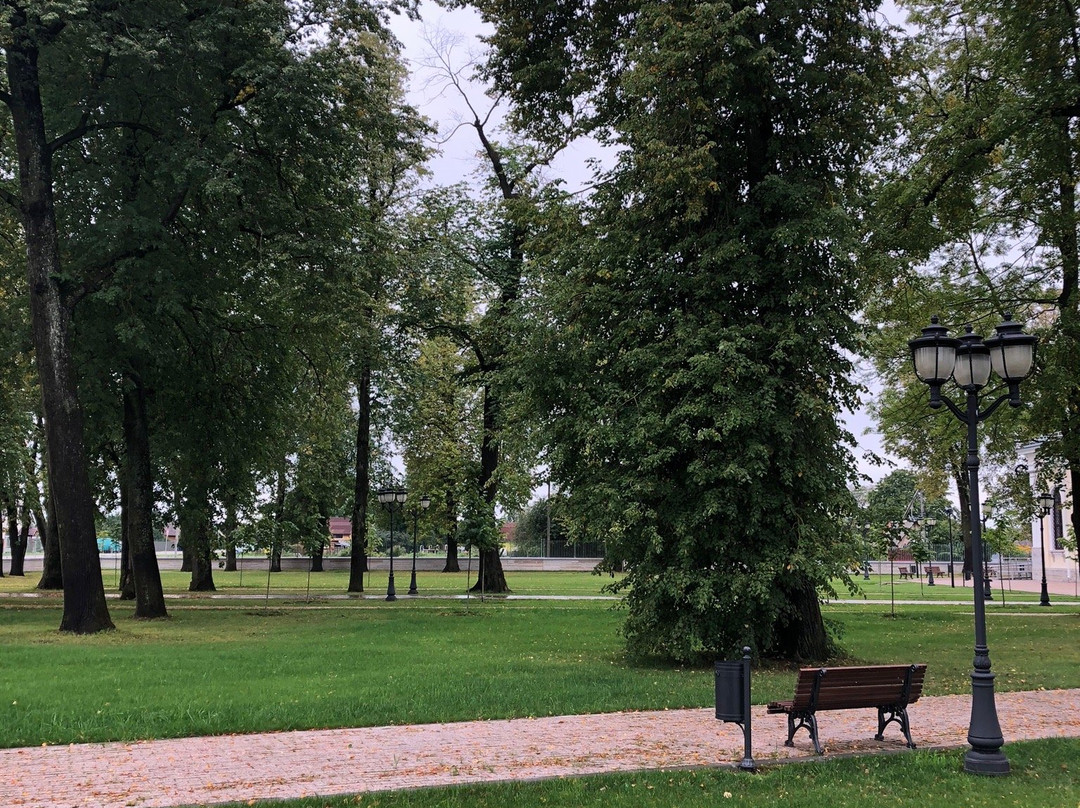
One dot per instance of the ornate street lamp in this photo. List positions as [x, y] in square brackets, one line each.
[968, 361]
[393, 499]
[425, 502]
[1046, 506]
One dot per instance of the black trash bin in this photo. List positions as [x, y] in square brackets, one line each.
[733, 700]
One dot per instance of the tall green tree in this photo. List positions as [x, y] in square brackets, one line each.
[471, 270]
[695, 314]
[30, 33]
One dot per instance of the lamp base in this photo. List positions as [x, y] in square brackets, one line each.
[989, 764]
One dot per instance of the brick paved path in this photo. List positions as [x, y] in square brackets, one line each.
[203, 771]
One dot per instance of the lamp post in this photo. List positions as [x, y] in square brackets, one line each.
[988, 590]
[937, 358]
[929, 522]
[952, 559]
[393, 499]
[425, 502]
[1046, 505]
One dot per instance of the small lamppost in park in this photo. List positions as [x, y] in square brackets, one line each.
[937, 358]
[929, 522]
[1046, 506]
[425, 503]
[952, 558]
[393, 499]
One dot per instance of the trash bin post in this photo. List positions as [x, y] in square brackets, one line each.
[733, 701]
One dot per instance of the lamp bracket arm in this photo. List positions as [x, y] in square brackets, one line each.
[990, 410]
[959, 413]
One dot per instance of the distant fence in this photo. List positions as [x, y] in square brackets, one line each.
[1017, 568]
[559, 549]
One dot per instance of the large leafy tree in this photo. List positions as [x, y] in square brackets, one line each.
[695, 315]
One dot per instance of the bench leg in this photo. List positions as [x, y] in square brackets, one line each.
[897, 715]
[807, 720]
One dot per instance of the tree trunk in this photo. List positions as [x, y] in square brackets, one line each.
[186, 562]
[319, 548]
[18, 545]
[491, 578]
[451, 564]
[799, 632]
[52, 565]
[230, 530]
[279, 520]
[195, 533]
[12, 526]
[127, 579]
[139, 511]
[960, 479]
[358, 551]
[1074, 478]
[85, 609]
[202, 569]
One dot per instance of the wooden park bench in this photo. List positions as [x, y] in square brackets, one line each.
[889, 688]
[908, 572]
[937, 571]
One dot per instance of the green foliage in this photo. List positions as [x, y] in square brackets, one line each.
[693, 317]
[977, 214]
[531, 533]
[436, 425]
[19, 394]
[479, 528]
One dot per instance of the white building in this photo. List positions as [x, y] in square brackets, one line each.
[1061, 564]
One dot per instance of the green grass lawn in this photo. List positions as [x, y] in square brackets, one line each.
[1046, 774]
[248, 666]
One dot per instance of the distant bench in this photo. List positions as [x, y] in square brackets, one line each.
[889, 688]
[912, 572]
